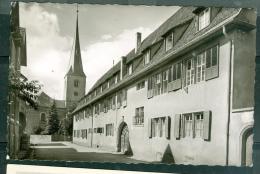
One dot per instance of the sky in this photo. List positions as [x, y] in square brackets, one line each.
[107, 32]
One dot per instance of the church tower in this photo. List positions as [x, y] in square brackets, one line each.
[75, 78]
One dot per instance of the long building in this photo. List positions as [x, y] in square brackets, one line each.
[184, 95]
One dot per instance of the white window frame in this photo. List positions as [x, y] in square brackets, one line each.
[147, 56]
[204, 19]
[158, 127]
[198, 124]
[188, 125]
[201, 67]
[169, 41]
[130, 69]
[190, 73]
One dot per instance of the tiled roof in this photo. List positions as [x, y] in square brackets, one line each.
[182, 16]
[46, 101]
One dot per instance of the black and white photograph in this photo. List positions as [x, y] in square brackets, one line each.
[131, 84]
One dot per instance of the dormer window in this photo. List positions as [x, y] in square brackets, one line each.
[169, 39]
[147, 56]
[130, 69]
[204, 18]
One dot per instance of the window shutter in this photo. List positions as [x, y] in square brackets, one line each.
[168, 127]
[183, 74]
[150, 128]
[206, 125]
[160, 127]
[193, 125]
[177, 125]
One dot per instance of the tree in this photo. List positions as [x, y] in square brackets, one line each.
[52, 125]
[26, 90]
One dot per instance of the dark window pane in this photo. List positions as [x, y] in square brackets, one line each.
[170, 74]
[214, 56]
[174, 72]
[208, 58]
[178, 70]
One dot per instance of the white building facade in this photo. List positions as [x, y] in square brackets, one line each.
[184, 95]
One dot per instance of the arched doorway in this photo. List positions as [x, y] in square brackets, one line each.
[247, 147]
[123, 139]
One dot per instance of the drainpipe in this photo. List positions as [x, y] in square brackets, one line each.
[229, 92]
[92, 117]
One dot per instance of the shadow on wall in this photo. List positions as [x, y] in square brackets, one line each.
[167, 155]
[129, 151]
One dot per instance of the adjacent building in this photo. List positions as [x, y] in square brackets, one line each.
[185, 94]
[16, 120]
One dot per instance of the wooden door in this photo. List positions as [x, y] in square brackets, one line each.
[124, 140]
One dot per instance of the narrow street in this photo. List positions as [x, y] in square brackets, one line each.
[63, 152]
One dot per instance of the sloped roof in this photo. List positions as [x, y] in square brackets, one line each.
[183, 15]
[45, 100]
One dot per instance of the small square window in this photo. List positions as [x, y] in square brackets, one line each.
[76, 94]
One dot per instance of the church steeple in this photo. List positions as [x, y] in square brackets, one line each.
[75, 78]
[75, 65]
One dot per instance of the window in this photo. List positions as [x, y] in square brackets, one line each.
[204, 18]
[84, 133]
[78, 133]
[124, 97]
[98, 90]
[96, 108]
[174, 77]
[112, 81]
[139, 116]
[158, 84]
[76, 94]
[74, 133]
[130, 69]
[190, 72]
[99, 130]
[159, 127]
[150, 87]
[195, 125]
[76, 83]
[140, 85]
[169, 41]
[201, 63]
[117, 77]
[147, 56]
[165, 81]
[110, 129]
[212, 63]
[43, 117]
[188, 125]
[119, 99]
[114, 102]
[104, 86]
[198, 125]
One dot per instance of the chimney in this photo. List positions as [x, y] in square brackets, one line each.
[122, 67]
[138, 41]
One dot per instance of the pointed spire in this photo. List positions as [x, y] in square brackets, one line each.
[75, 66]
